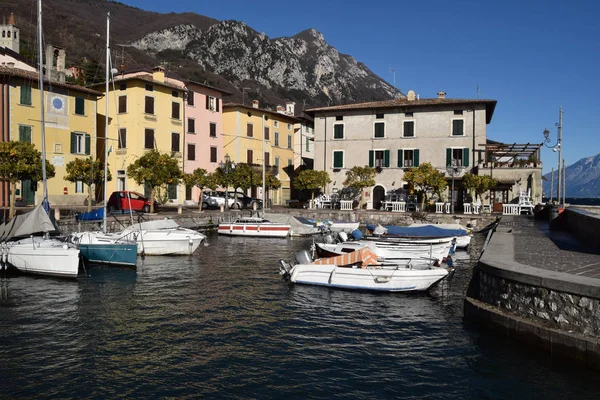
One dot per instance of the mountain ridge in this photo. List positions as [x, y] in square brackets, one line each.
[582, 179]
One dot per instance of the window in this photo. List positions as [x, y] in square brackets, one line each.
[149, 107]
[122, 138]
[172, 191]
[191, 125]
[212, 103]
[307, 144]
[149, 139]
[289, 127]
[149, 87]
[78, 187]
[24, 133]
[379, 158]
[122, 104]
[338, 159]
[277, 163]
[458, 127]
[408, 158]
[290, 162]
[339, 118]
[267, 159]
[213, 154]
[175, 93]
[276, 124]
[409, 129]
[190, 98]
[249, 157]
[458, 112]
[175, 142]
[379, 116]
[379, 130]
[58, 148]
[79, 106]
[338, 131]
[289, 141]
[276, 142]
[26, 95]
[188, 193]
[249, 130]
[191, 152]
[267, 133]
[457, 157]
[80, 143]
[213, 129]
[123, 86]
[175, 110]
[408, 114]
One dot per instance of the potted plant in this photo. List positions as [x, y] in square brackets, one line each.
[532, 160]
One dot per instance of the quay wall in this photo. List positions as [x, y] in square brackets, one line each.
[583, 222]
[555, 311]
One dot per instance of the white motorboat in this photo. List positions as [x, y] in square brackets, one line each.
[254, 226]
[423, 233]
[35, 254]
[163, 237]
[390, 249]
[360, 270]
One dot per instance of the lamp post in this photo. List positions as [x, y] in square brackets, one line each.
[226, 167]
[557, 147]
[453, 171]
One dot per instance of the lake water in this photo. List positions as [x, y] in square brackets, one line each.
[224, 324]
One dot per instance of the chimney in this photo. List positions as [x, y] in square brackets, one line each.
[441, 95]
[11, 19]
[281, 109]
[411, 95]
[255, 103]
[158, 74]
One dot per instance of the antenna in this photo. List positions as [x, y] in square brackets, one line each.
[393, 71]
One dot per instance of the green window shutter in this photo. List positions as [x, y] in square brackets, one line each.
[79, 106]
[172, 191]
[386, 158]
[217, 100]
[466, 157]
[338, 131]
[379, 130]
[73, 142]
[448, 157]
[25, 95]
[88, 143]
[457, 127]
[409, 128]
[371, 157]
[338, 159]
[400, 162]
[25, 134]
[416, 158]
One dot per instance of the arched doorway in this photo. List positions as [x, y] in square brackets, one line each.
[378, 196]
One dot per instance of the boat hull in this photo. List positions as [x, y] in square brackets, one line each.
[255, 230]
[48, 257]
[166, 242]
[97, 247]
[400, 279]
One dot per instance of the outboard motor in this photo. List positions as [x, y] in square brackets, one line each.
[343, 236]
[356, 234]
[328, 239]
[303, 257]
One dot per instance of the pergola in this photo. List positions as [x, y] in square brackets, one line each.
[505, 153]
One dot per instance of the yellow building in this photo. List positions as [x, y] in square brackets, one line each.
[146, 111]
[70, 128]
[243, 142]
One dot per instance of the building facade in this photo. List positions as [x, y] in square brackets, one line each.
[145, 112]
[400, 134]
[10, 34]
[244, 129]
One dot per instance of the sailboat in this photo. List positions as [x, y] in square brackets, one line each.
[19, 247]
[102, 247]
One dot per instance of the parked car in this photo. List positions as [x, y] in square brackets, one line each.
[216, 198]
[244, 201]
[119, 201]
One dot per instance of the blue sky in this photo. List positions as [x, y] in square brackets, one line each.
[532, 56]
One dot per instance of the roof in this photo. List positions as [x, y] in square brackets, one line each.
[499, 150]
[490, 105]
[5, 51]
[262, 110]
[146, 77]
[224, 92]
[19, 73]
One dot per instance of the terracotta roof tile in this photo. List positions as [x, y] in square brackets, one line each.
[19, 73]
[271, 112]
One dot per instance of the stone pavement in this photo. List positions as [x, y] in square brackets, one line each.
[536, 246]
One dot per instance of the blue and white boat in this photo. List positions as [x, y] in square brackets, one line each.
[105, 248]
[423, 233]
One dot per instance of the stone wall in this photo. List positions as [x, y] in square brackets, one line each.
[583, 223]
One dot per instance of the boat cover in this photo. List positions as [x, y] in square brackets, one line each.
[419, 231]
[157, 224]
[95, 215]
[36, 221]
[297, 227]
[364, 255]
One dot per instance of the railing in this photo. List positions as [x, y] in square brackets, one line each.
[511, 209]
[346, 205]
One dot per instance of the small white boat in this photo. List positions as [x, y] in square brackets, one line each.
[360, 270]
[254, 226]
[163, 237]
[42, 256]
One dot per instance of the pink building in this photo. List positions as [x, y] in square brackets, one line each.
[203, 131]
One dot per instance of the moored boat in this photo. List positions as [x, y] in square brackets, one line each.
[254, 226]
[423, 232]
[105, 248]
[163, 237]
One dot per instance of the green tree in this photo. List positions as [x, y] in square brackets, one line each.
[311, 180]
[201, 179]
[426, 179]
[478, 184]
[359, 178]
[81, 169]
[155, 169]
[21, 161]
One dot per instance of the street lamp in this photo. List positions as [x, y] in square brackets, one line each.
[453, 171]
[557, 147]
[226, 167]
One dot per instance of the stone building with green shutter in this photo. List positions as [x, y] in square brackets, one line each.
[396, 135]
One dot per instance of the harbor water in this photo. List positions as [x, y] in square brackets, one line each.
[224, 324]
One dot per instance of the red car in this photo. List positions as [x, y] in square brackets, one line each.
[118, 201]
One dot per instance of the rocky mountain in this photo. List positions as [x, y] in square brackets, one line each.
[582, 178]
[227, 54]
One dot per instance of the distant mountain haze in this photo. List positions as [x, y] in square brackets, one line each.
[582, 178]
[226, 54]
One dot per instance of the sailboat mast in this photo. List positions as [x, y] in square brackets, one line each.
[106, 119]
[43, 130]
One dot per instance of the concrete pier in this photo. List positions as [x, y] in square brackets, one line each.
[541, 287]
